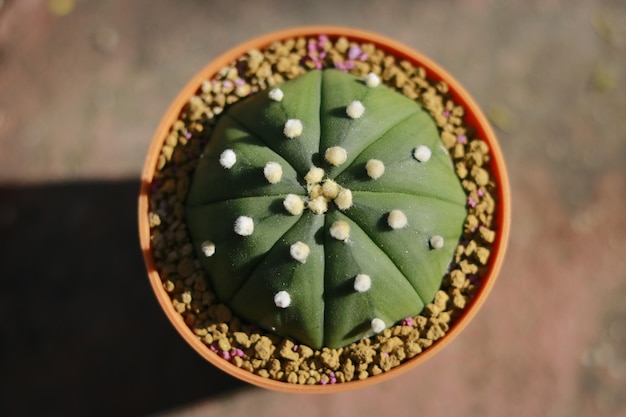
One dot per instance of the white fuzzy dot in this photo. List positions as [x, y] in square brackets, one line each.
[282, 299]
[293, 128]
[314, 175]
[378, 325]
[422, 153]
[244, 226]
[330, 189]
[293, 204]
[355, 109]
[340, 230]
[299, 251]
[208, 248]
[343, 201]
[336, 155]
[273, 172]
[375, 168]
[276, 94]
[362, 283]
[315, 190]
[372, 80]
[436, 242]
[228, 158]
[318, 205]
[397, 219]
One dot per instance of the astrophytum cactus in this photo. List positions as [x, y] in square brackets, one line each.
[325, 209]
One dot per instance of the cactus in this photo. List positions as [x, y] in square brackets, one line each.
[325, 209]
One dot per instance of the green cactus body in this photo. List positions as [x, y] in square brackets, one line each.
[331, 254]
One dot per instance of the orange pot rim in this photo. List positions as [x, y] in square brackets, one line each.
[473, 117]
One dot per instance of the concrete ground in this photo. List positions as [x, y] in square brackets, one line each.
[83, 84]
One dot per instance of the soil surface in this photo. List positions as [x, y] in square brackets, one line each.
[83, 85]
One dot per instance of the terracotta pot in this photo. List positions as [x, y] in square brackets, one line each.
[474, 117]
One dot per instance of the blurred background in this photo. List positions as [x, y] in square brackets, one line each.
[83, 84]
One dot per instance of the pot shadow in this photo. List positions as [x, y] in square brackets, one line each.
[80, 329]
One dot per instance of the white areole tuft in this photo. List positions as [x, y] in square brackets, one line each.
[314, 175]
[273, 172]
[362, 283]
[282, 299]
[293, 204]
[276, 94]
[300, 251]
[293, 128]
[228, 158]
[355, 109]
[318, 205]
[378, 325]
[208, 248]
[375, 168]
[343, 201]
[397, 219]
[244, 226]
[336, 155]
[436, 242]
[340, 230]
[372, 80]
[422, 153]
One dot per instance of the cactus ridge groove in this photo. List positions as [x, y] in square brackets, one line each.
[266, 255]
[232, 200]
[261, 139]
[356, 192]
[386, 254]
[351, 158]
[337, 170]
[374, 142]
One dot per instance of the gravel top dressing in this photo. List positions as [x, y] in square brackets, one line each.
[179, 256]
